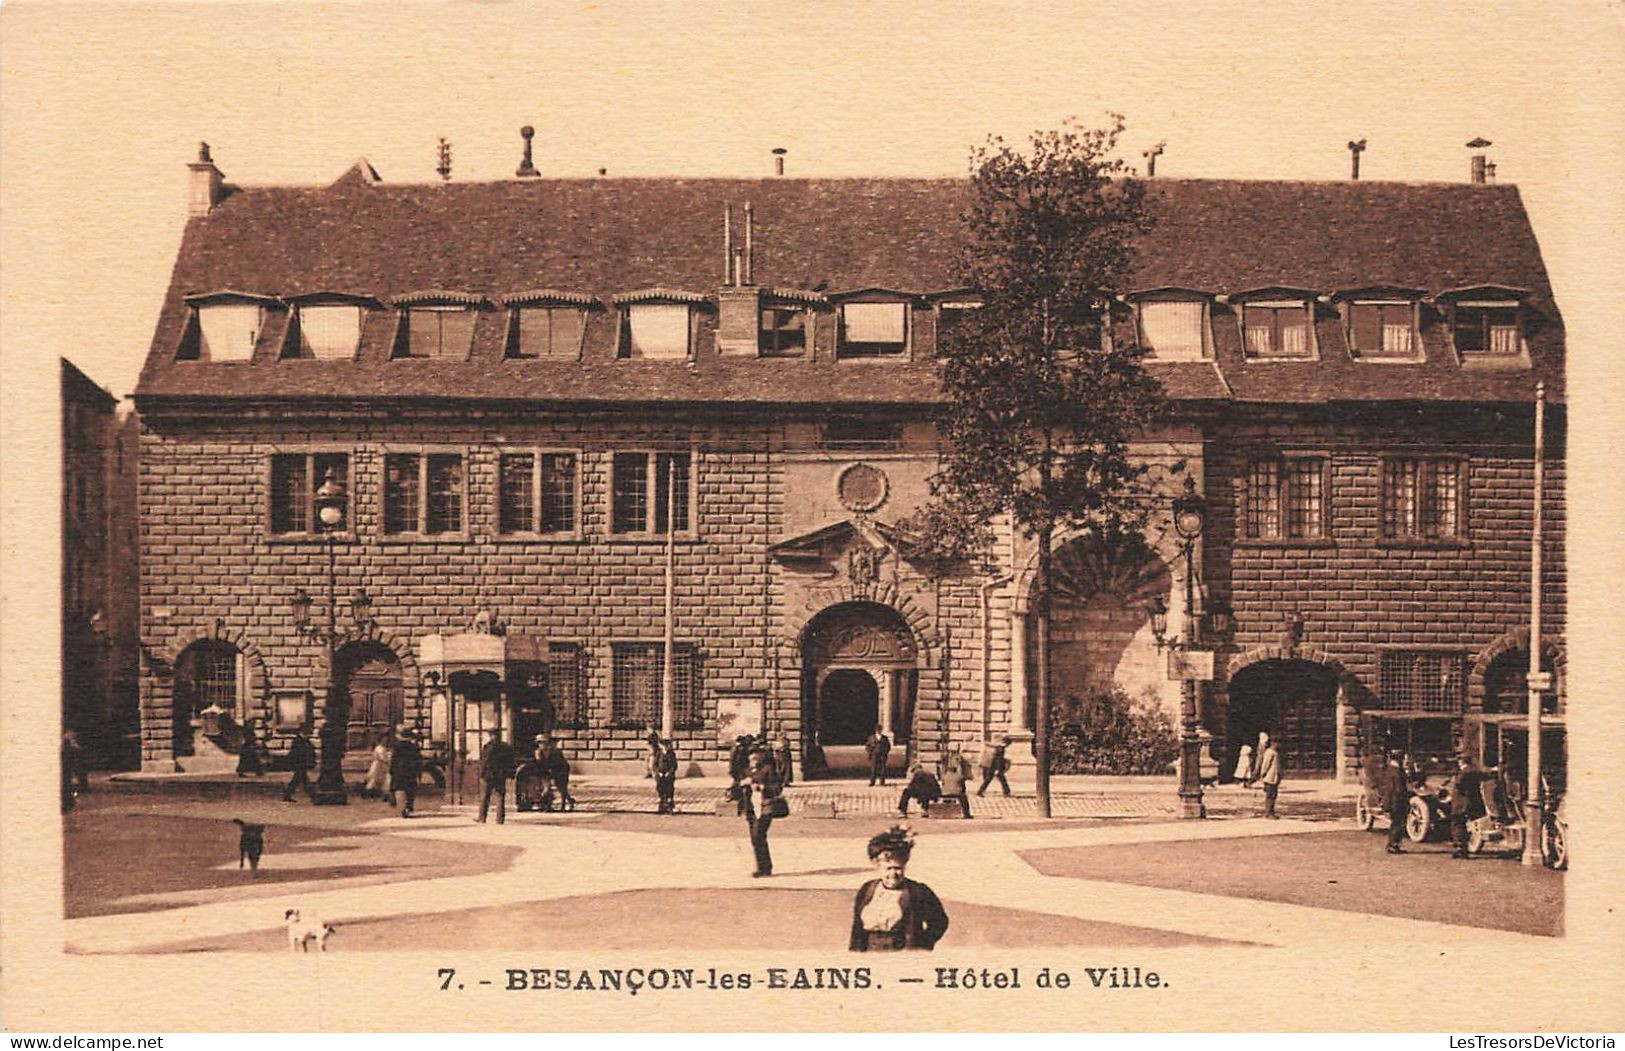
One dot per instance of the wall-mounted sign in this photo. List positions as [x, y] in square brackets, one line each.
[1194, 665]
[292, 708]
[739, 712]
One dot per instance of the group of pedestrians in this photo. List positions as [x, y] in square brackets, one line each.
[1261, 766]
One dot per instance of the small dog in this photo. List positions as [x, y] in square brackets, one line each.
[250, 843]
[301, 932]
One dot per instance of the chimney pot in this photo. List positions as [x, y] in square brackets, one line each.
[1355, 149]
[444, 167]
[1479, 162]
[1151, 156]
[526, 169]
[778, 159]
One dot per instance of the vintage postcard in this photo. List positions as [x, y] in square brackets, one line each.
[801, 517]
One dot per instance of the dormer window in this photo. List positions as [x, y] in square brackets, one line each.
[1173, 326]
[872, 330]
[546, 324]
[226, 326]
[1487, 328]
[656, 324]
[546, 332]
[1383, 330]
[783, 331]
[1276, 329]
[436, 325]
[329, 331]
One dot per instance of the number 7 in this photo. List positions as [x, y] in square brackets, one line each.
[446, 973]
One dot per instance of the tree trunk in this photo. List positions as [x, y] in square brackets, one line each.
[1041, 715]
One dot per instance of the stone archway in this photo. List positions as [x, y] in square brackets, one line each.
[370, 692]
[860, 665]
[206, 685]
[1294, 699]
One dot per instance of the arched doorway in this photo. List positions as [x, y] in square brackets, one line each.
[848, 707]
[859, 662]
[369, 693]
[1295, 702]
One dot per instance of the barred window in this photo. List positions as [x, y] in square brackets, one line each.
[537, 492]
[565, 675]
[636, 674]
[423, 493]
[1382, 330]
[210, 674]
[634, 477]
[1427, 682]
[1286, 498]
[1421, 498]
[294, 480]
[1276, 330]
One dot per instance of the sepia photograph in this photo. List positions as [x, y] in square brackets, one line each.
[655, 505]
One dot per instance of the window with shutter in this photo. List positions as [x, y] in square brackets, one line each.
[655, 331]
[329, 332]
[1172, 331]
[1383, 330]
[230, 330]
[873, 329]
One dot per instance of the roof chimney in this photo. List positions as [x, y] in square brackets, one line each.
[1480, 161]
[444, 167]
[526, 169]
[603, 173]
[778, 159]
[1151, 156]
[1355, 149]
[207, 183]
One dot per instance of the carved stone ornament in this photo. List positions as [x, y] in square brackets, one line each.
[862, 487]
[863, 564]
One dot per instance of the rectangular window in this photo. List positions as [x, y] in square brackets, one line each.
[423, 493]
[656, 331]
[1286, 498]
[230, 330]
[547, 332]
[1425, 682]
[538, 493]
[783, 331]
[1172, 331]
[1421, 498]
[873, 329]
[1382, 330]
[295, 478]
[635, 476]
[565, 674]
[329, 332]
[637, 674]
[860, 435]
[1276, 330]
[439, 332]
[1485, 328]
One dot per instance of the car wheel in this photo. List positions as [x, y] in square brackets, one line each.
[1364, 816]
[1418, 820]
[1554, 845]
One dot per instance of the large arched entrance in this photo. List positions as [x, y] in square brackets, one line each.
[211, 690]
[1295, 702]
[369, 693]
[859, 671]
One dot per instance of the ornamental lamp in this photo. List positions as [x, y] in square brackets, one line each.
[1190, 511]
[330, 502]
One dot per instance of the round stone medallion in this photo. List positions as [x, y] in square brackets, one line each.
[862, 487]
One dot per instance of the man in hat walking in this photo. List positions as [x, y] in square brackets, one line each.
[496, 766]
[405, 767]
[302, 760]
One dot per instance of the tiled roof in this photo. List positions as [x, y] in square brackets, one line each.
[606, 238]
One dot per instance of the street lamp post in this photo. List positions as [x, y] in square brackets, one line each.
[330, 516]
[1190, 515]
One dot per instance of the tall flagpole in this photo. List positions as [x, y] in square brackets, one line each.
[1534, 801]
[667, 676]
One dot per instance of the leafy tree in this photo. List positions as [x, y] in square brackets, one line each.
[1041, 401]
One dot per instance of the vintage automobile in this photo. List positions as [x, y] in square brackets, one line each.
[1432, 779]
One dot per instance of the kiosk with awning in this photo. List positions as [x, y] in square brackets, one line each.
[471, 682]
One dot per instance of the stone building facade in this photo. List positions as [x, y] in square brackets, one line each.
[539, 400]
[99, 609]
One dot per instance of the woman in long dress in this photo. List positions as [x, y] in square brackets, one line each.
[377, 783]
[1244, 764]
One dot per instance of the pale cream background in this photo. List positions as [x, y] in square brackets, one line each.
[101, 107]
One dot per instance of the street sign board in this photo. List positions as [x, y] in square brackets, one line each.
[1195, 665]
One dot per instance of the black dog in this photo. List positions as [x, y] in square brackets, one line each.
[250, 843]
